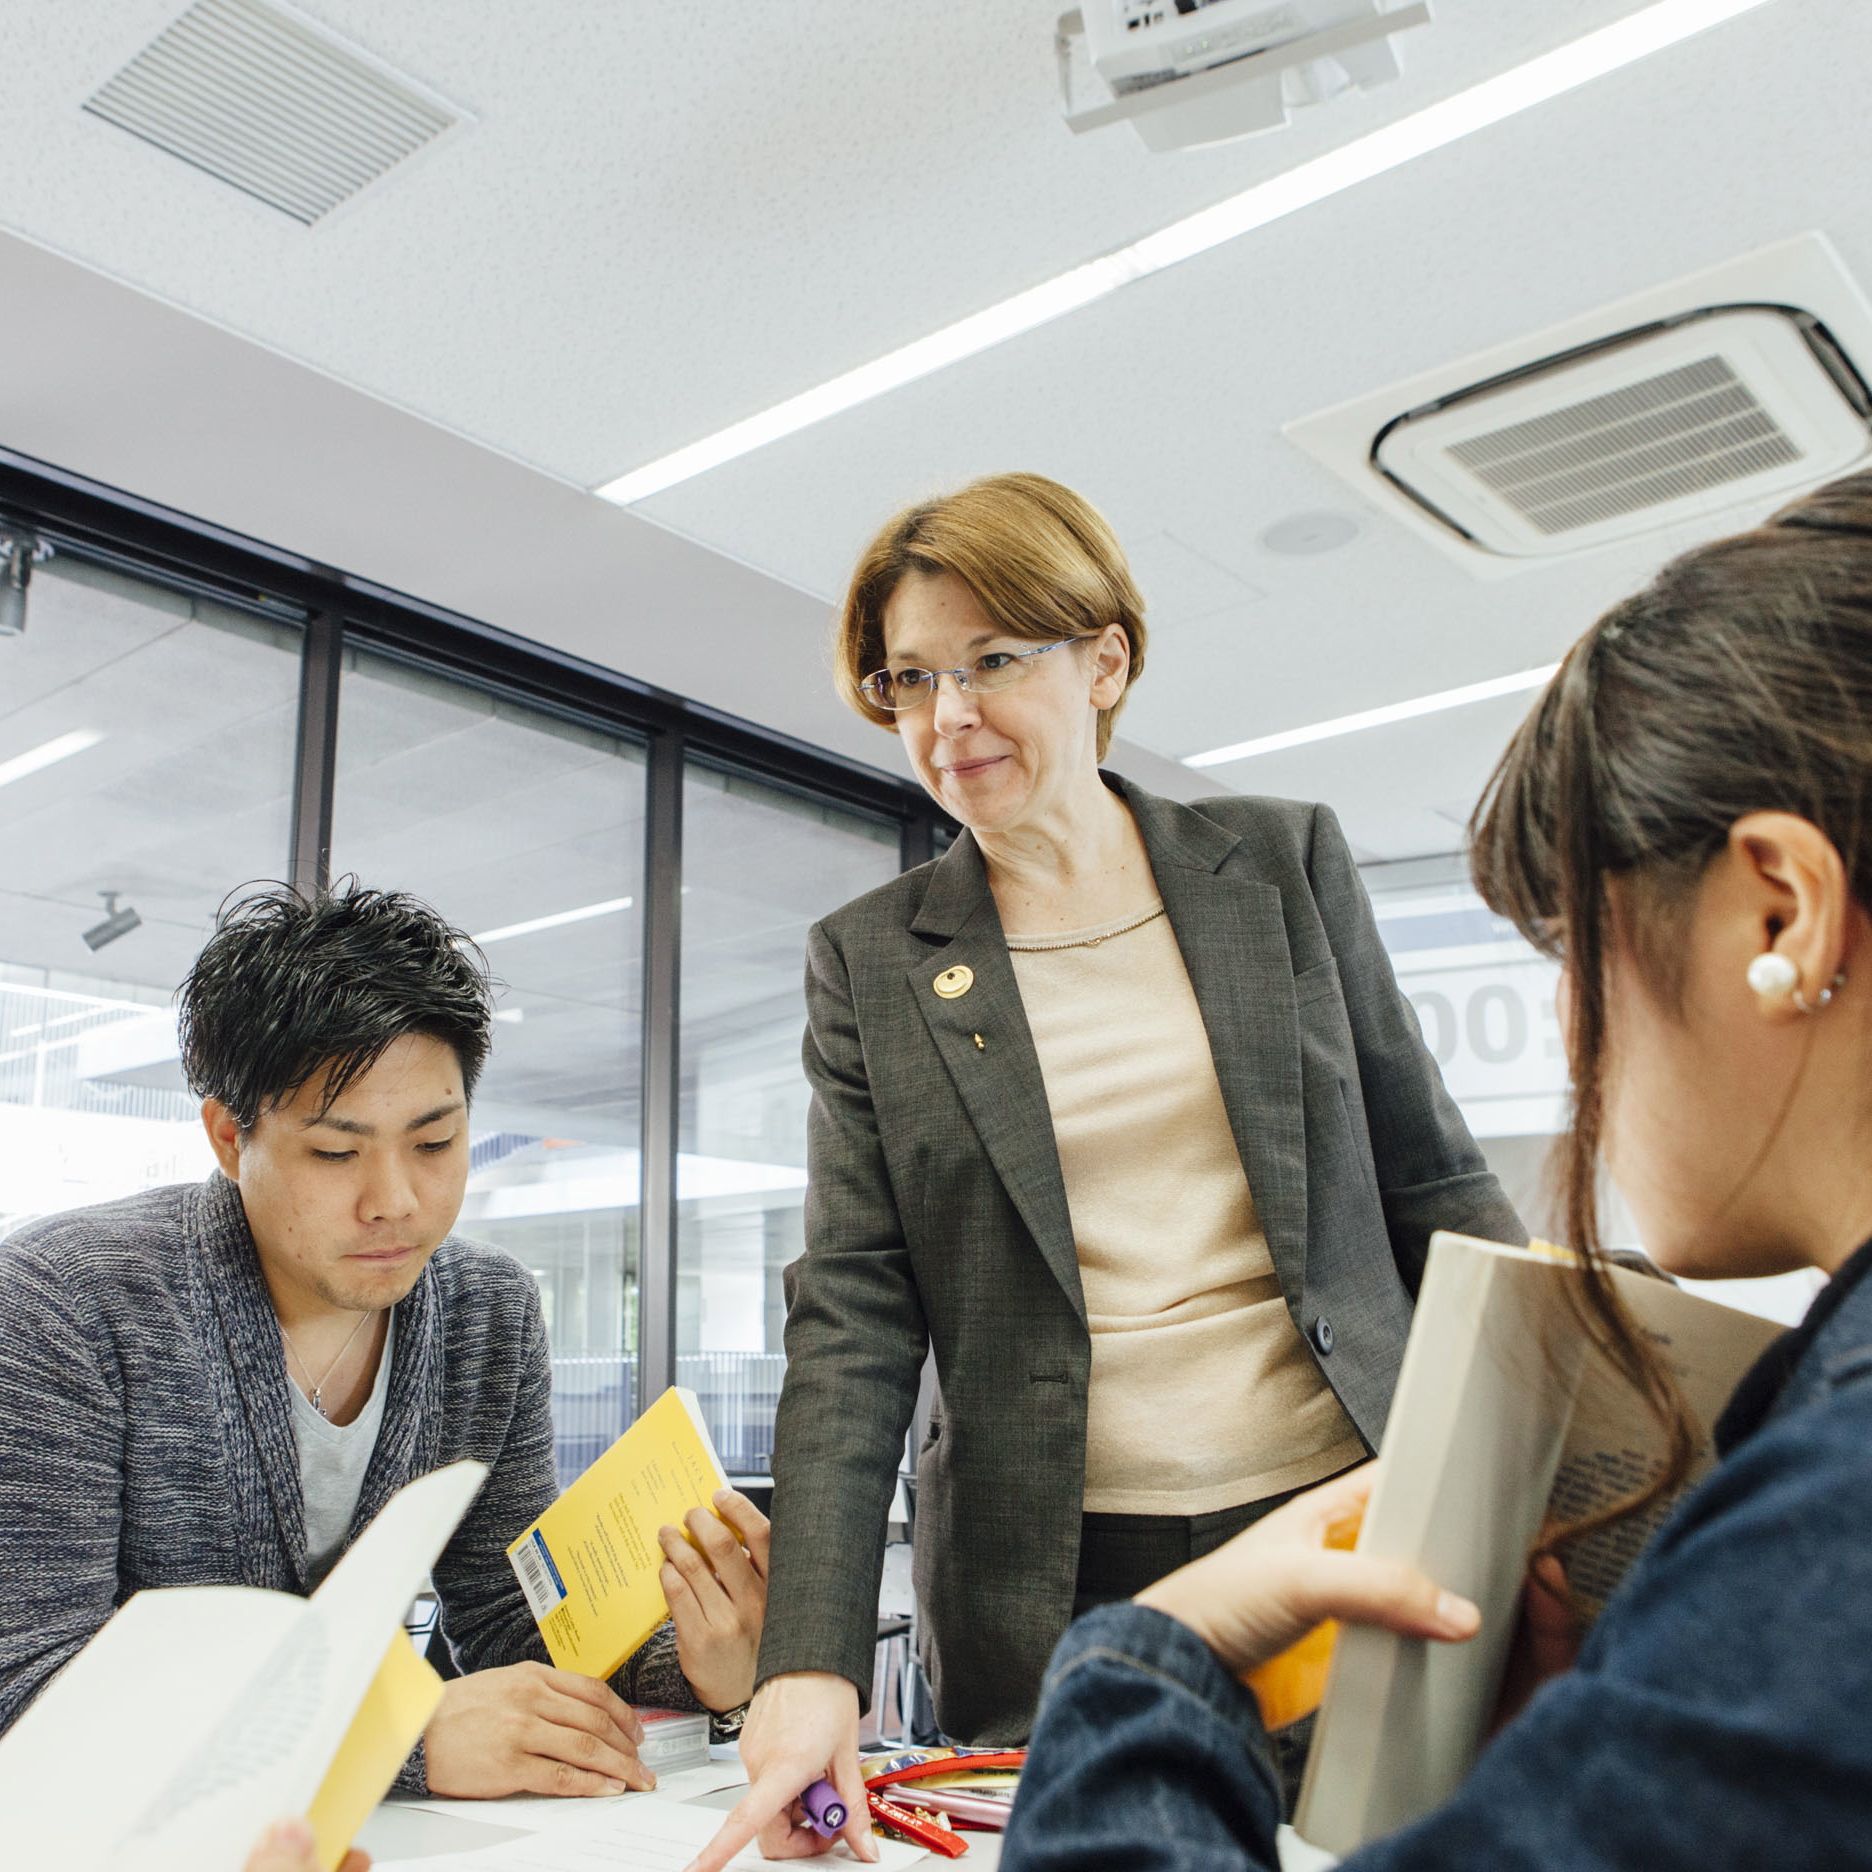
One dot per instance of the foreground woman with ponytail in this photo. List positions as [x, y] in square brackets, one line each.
[1685, 823]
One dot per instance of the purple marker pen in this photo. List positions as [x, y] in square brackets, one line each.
[825, 1808]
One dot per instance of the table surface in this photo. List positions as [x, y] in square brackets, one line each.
[402, 1829]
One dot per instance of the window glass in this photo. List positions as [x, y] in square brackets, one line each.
[1485, 1001]
[760, 867]
[527, 832]
[146, 757]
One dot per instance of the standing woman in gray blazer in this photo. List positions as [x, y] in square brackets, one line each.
[1118, 1108]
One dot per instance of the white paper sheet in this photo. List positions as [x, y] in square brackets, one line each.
[544, 1813]
[645, 1834]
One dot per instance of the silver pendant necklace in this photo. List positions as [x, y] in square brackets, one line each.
[318, 1387]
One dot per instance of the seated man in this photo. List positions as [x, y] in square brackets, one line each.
[223, 1383]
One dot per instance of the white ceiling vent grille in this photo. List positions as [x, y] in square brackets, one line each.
[1642, 430]
[272, 104]
[1679, 433]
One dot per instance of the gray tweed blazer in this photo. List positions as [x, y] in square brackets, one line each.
[146, 1433]
[936, 1217]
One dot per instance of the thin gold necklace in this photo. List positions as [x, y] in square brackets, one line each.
[1092, 942]
[318, 1389]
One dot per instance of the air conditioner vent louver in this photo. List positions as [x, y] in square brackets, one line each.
[271, 104]
[1642, 430]
[1678, 433]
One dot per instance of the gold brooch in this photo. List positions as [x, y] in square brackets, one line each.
[954, 981]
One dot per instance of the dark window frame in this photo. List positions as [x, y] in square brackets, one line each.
[93, 523]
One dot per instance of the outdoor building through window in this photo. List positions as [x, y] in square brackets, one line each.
[527, 833]
[185, 717]
[146, 758]
[760, 867]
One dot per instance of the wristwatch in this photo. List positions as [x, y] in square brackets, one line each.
[726, 1725]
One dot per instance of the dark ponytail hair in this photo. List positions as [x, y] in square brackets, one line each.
[1739, 681]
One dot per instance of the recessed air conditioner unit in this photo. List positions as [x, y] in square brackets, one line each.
[1663, 415]
[1635, 432]
[1185, 73]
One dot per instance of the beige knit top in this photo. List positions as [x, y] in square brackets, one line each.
[1203, 1393]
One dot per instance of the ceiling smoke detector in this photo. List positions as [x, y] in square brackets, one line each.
[1185, 73]
[1304, 535]
[273, 104]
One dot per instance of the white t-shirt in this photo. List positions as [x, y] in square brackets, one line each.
[332, 1461]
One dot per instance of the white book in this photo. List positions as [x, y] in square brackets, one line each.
[1506, 1418]
[200, 1714]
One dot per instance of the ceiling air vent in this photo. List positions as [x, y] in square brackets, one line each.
[272, 104]
[1638, 431]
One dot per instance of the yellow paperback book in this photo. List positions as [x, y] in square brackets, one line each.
[590, 1565]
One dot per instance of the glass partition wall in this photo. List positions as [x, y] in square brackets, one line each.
[183, 715]
[146, 760]
[1485, 1003]
[761, 865]
[527, 832]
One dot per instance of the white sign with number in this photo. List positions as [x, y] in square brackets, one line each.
[1487, 1015]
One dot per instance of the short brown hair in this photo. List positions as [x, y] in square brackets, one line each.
[1041, 561]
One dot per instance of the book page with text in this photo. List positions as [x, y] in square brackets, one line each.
[215, 1708]
[1614, 1448]
[111, 1739]
[1469, 1453]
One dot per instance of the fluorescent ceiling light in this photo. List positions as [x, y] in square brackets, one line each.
[86, 1004]
[1376, 717]
[583, 913]
[40, 1047]
[48, 754]
[89, 1013]
[1551, 75]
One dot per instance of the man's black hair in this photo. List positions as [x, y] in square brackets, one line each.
[290, 984]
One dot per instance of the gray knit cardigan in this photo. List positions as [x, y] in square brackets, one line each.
[146, 1434]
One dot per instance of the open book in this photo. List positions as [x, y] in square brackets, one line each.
[590, 1566]
[199, 1714]
[1506, 1417]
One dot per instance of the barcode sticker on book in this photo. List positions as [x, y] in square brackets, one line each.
[539, 1578]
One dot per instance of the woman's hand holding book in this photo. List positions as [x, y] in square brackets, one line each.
[1270, 1586]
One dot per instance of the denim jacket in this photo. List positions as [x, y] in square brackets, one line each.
[1720, 1713]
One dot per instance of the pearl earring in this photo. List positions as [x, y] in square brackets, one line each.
[1773, 976]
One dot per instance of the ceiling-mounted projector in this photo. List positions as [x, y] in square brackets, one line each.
[1184, 73]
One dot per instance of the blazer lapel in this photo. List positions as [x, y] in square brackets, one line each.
[1233, 936]
[982, 1034]
[256, 1369]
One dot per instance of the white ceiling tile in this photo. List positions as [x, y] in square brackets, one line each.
[655, 226]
